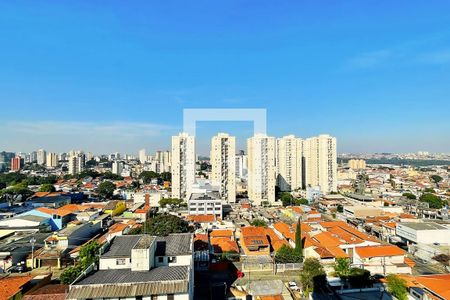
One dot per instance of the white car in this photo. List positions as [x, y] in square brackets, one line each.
[293, 286]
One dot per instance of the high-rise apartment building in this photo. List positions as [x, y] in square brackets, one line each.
[77, 163]
[261, 168]
[241, 165]
[289, 163]
[183, 165]
[142, 156]
[320, 163]
[33, 157]
[41, 156]
[117, 167]
[163, 160]
[223, 163]
[16, 163]
[357, 164]
[52, 160]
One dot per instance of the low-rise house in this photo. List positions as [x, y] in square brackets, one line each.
[223, 241]
[253, 241]
[141, 267]
[382, 259]
[57, 246]
[14, 250]
[428, 287]
[58, 218]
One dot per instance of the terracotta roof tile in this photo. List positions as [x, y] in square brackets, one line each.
[10, 286]
[379, 251]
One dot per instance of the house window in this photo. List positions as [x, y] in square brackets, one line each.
[172, 259]
[160, 259]
[121, 261]
[154, 297]
[170, 297]
[138, 297]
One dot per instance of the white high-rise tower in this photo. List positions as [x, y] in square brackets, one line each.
[321, 162]
[183, 165]
[223, 162]
[261, 168]
[289, 163]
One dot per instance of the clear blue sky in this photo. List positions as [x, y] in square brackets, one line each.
[115, 76]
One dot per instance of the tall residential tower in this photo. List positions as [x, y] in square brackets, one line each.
[289, 163]
[223, 162]
[321, 163]
[183, 165]
[261, 168]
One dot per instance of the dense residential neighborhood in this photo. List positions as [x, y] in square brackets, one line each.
[103, 234]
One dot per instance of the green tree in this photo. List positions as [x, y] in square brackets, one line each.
[342, 267]
[359, 278]
[313, 275]
[300, 201]
[340, 208]
[258, 223]
[429, 190]
[436, 178]
[298, 239]
[286, 255]
[410, 196]
[106, 189]
[166, 176]
[111, 176]
[286, 199]
[47, 187]
[433, 200]
[19, 189]
[397, 287]
[70, 274]
[88, 255]
[163, 225]
[170, 201]
[147, 176]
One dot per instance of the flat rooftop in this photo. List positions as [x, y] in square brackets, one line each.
[424, 226]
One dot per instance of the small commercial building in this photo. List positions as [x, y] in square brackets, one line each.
[423, 233]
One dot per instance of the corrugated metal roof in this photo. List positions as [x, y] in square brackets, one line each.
[128, 290]
[126, 283]
[174, 244]
[121, 246]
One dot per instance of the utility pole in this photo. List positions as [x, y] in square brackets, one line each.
[32, 241]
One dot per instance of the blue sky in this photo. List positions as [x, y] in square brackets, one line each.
[115, 76]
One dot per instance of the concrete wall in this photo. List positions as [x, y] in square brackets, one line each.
[111, 263]
[141, 259]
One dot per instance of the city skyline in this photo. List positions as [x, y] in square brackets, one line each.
[82, 76]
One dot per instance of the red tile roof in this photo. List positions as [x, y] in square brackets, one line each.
[223, 244]
[202, 218]
[10, 286]
[379, 251]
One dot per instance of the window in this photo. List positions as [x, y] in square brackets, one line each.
[138, 297]
[121, 261]
[160, 259]
[172, 259]
[154, 297]
[170, 297]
